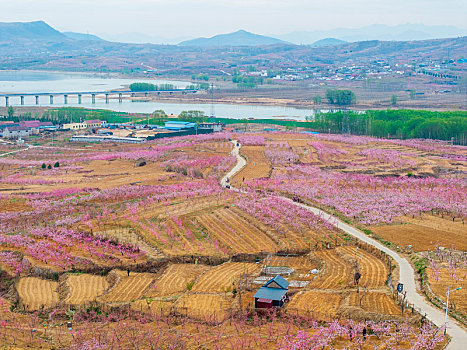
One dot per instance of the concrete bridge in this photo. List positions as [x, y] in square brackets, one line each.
[93, 94]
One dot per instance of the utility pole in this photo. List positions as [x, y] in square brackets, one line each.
[212, 100]
[447, 307]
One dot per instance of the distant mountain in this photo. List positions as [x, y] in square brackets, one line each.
[328, 42]
[37, 31]
[239, 38]
[403, 32]
[142, 38]
[81, 36]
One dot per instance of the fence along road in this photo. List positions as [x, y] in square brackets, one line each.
[406, 275]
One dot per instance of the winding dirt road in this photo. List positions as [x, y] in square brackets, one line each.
[407, 274]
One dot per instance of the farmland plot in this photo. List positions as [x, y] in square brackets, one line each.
[336, 272]
[321, 305]
[128, 288]
[374, 272]
[85, 288]
[35, 293]
[224, 277]
[381, 303]
[258, 165]
[210, 306]
[175, 279]
[234, 232]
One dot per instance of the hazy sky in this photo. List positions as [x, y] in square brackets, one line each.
[174, 18]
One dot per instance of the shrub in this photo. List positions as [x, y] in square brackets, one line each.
[56, 165]
[43, 166]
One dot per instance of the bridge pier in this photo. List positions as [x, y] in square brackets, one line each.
[132, 94]
[65, 99]
[51, 99]
[145, 94]
[107, 98]
[120, 98]
[22, 100]
[93, 98]
[7, 103]
[37, 100]
[79, 99]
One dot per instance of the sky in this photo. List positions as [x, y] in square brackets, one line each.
[191, 18]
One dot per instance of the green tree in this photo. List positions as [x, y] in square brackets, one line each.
[340, 97]
[11, 112]
[159, 117]
[317, 100]
[394, 100]
[142, 87]
[192, 116]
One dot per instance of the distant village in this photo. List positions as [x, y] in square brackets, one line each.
[100, 131]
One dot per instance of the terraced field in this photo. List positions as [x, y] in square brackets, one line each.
[337, 273]
[35, 293]
[236, 233]
[128, 288]
[424, 232]
[85, 288]
[374, 272]
[375, 302]
[209, 306]
[258, 165]
[223, 277]
[320, 305]
[457, 299]
[175, 279]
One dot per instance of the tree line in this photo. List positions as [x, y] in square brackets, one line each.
[151, 87]
[402, 124]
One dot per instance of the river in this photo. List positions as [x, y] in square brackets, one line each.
[43, 82]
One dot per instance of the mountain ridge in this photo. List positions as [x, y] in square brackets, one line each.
[238, 38]
[382, 32]
[37, 30]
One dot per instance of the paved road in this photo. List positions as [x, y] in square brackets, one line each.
[407, 274]
[241, 162]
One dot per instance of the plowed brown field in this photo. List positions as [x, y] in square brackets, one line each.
[35, 293]
[224, 276]
[129, 288]
[374, 272]
[233, 231]
[337, 274]
[85, 288]
[175, 279]
[258, 165]
[210, 306]
[321, 305]
[375, 302]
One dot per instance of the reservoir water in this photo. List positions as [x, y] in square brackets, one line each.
[44, 82]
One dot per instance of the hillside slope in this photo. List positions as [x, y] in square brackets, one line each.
[239, 38]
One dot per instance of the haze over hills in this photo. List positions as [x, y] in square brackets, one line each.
[403, 32]
[238, 38]
[142, 38]
[37, 45]
[28, 31]
[82, 36]
[328, 42]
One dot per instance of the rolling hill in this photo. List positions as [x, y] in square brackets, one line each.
[29, 31]
[328, 42]
[82, 36]
[239, 38]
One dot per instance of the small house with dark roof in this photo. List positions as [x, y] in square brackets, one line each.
[273, 293]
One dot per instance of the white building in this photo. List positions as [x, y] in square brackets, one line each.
[15, 132]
